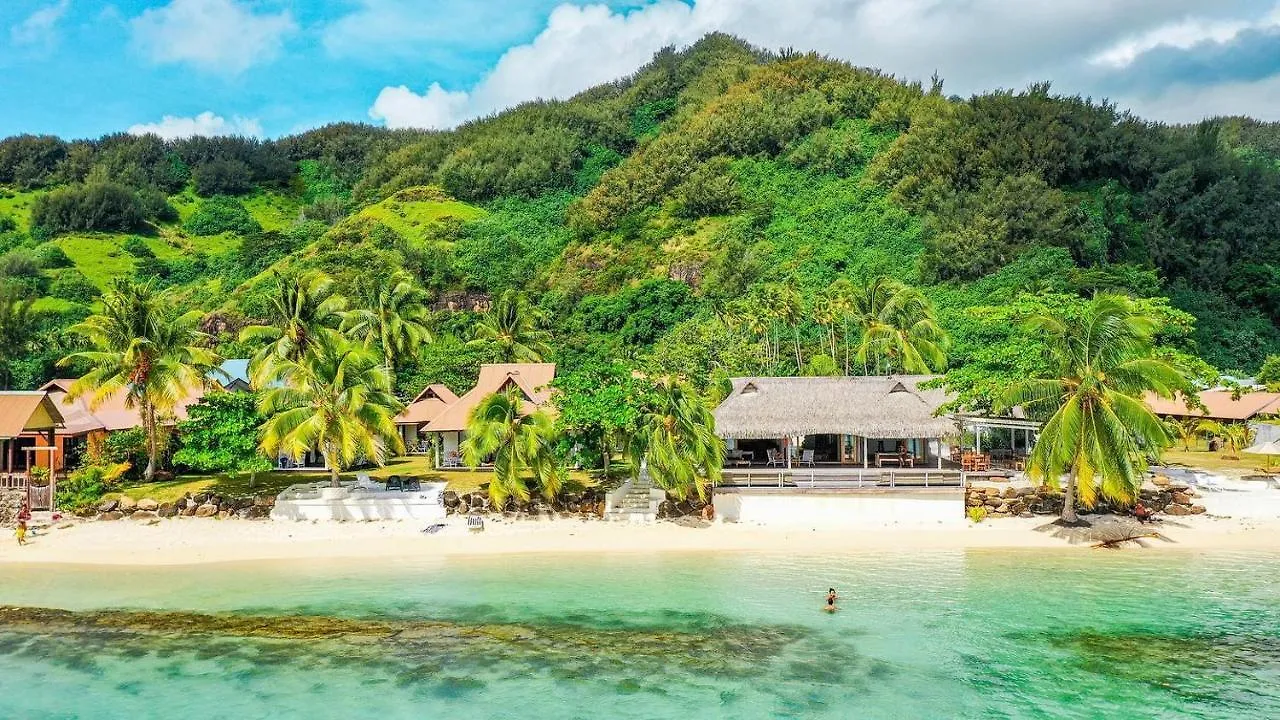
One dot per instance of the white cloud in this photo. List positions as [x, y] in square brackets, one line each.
[976, 45]
[40, 28]
[224, 36]
[1182, 103]
[206, 124]
[1183, 35]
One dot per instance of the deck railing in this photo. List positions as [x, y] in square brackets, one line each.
[841, 479]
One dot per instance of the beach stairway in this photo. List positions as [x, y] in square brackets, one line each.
[636, 503]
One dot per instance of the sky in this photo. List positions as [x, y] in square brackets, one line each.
[83, 68]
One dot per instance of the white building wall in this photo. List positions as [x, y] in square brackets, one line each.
[825, 511]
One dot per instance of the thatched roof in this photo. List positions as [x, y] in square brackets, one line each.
[875, 407]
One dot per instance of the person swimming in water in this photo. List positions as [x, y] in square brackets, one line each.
[831, 600]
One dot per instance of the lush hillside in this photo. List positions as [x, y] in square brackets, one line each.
[699, 217]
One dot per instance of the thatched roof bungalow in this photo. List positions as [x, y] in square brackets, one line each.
[880, 407]
[847, 420]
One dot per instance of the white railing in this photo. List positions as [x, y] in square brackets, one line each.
[842, 479]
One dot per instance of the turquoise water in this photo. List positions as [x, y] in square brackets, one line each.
[955, 634]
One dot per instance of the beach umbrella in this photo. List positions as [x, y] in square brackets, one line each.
[1270, 449]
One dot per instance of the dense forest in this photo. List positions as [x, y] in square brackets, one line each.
[707, 216]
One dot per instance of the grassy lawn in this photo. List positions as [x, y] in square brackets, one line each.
[272, 483]
[273, 211]
[18, 205]
[1215, 462]
[410, 218]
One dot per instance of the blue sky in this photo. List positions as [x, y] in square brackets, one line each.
[271, 67]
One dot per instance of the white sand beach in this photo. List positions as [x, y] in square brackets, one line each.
[1236, 520]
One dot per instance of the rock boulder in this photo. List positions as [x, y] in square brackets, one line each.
[148, 505]
[206, 510]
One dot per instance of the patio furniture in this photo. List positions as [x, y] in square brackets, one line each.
[475, 523]
[895, 459]
[410, 484]
[773, 458]
[394, 483]
[451, 460]
[806, 458]
[981, 463]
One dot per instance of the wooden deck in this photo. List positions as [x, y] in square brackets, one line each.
[843, 478]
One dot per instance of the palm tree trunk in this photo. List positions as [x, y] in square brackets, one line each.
[153, 449]
[1069, 500]
[795, 331]
[332, 462]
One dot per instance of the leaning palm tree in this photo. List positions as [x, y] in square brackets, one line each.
[676, 440]
[521, 446]
[397, 321]
[302, 304]
[17, 325]
[1099, 432]
[336, 398]
[900, 331]
[142, 347]
[515, 327]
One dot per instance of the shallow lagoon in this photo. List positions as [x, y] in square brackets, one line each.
[955, 634]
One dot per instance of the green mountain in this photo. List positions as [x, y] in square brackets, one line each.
[691, 217]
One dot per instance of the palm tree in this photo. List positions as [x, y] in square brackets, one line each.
[335, 398]
[1185, 430]
[302, 305]
[519, 444]
[676, 439]
[1235, 436]
[396, 321]
[1099, 431]
[141, 346]
[900, 332]
[515, 327]
[17, 321]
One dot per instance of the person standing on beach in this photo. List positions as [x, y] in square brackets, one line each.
[21, 532]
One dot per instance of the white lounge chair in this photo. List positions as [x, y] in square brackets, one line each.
[475, 523]
[772, 458]
[806, 458]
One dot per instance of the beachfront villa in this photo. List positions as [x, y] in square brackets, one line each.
[872, 422]
[426, 407]
[531, 380]
[29, 421]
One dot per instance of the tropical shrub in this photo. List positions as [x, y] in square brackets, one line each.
[104, 206]
[71, 284]
[221, 435]
[219, 215]
[84, 487]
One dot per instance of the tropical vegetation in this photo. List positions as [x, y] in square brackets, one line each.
[519, 444]
[143, 346]
[722, 211]
[1097, 430]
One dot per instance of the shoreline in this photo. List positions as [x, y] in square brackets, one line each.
[201, 541]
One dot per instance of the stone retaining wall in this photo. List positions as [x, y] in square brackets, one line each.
[1029, 501]
[587, 504]
[10, 504]
[201, 505]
